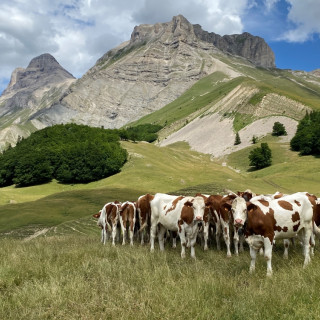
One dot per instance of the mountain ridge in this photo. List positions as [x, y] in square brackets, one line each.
[155, 67]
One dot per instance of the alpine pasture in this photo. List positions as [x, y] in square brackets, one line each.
[53, 265]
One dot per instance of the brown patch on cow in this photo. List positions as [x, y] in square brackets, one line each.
[187, 213]
[174, 204]
[316, 214]
[297, 203]
[260, 223]
[144, 208]
[296, 227]
[277, 228]
[278, 196]
[295, 217]
[264, 202]
[285, 205]
[285, 229]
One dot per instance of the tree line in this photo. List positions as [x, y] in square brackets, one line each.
[69, 153]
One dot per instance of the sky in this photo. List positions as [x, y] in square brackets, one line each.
[78, 32]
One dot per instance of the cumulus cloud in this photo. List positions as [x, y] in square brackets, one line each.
[78, 32]
[302, 19]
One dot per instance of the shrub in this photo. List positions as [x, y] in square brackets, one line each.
[260, 157]
[237, 139]
[279, 129]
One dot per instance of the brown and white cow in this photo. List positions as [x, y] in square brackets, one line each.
[222, 208]
[176, 213]
[267, 220]
[108, 218]
[144, 214]
[127, 217]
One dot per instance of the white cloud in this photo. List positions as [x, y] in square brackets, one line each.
[304, 15]
[78, 32]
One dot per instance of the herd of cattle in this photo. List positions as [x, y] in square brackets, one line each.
[257, 219]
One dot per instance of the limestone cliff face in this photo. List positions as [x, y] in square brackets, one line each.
[155, 67]
[253, 48]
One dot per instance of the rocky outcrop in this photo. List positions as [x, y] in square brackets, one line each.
[38, 86]
[253, 48]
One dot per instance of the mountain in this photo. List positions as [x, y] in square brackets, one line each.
[168, 73]
[29, 90]
[155, 67]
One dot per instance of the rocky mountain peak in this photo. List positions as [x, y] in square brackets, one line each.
[42, 70]
[250, 47]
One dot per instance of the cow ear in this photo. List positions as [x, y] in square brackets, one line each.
[208, 203]
[97, 215]
[188, 204]
[251, 206]
[227, 206]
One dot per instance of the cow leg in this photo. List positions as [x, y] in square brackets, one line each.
[312, 244]
[183, 241]
[286, 243]
[306, 237]
[103, 235]
[236, 241]
[153, 231]
[253, 254]
[268, 245]
[114, 233]
[131, 230]
[123, 231]
[162, 230]
[174, 235]
[218, 235]
[192, 244]
[226, 236]
[206, 235]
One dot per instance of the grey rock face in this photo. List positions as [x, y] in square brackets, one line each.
[253, 48]
[42, 83]
[140, 76]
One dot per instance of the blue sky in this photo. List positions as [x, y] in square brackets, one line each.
[78, 32]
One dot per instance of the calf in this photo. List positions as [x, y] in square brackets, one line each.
[108, 218]
[176, 213]
[267, 220]
[127, 216]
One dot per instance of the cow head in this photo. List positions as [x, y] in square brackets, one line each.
[239, 211]
[198, 206]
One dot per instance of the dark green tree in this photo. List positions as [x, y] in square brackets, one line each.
[237, 139]
[254, 139]
[278, 129]
[307, 137]
[260, 157]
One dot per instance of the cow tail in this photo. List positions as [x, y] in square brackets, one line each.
[103, 217]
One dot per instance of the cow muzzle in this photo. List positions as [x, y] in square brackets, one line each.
[199, 218]
[238, 222]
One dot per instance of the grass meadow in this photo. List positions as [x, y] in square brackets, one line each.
[73, 276]
[67, 273]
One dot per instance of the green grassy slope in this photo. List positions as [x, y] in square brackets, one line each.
[173, 169]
